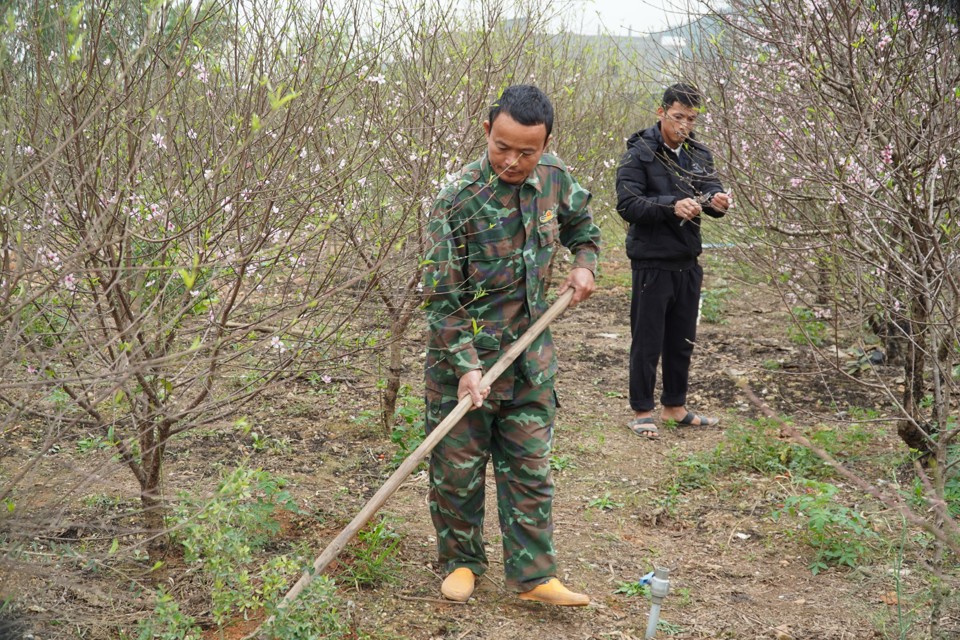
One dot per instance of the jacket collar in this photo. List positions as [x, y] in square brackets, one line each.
[489, 177]
[653, 138]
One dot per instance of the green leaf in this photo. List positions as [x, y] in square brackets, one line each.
[189, 277]
[279, 102]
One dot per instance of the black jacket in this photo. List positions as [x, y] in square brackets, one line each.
[649, 183]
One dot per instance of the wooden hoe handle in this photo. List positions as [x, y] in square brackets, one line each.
[400, 475]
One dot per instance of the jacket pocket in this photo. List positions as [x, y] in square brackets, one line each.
[487, 339]
[548, 232]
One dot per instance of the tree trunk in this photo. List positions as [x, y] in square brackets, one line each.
[395, 369]
[392, 388]
[153, 444]
[913, 367]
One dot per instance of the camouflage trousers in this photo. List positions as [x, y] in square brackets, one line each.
[518, 435]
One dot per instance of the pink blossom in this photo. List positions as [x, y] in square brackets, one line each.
[202, 74]
[159, 141]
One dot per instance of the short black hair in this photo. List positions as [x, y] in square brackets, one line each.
[526, 104]
[685, 94]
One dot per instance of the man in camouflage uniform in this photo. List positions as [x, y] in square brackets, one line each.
[492, 234]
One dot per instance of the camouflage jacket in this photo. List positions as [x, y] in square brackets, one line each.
[487, 265]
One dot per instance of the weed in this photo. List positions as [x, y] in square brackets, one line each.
[694, 473]
[758, 448]
[262, 442]
[669, 499]
[669, 628]
[772, 365]
[367, 418]
[92, 443]
[167, 621]
[374, 559]
[102, 501]
[840, 535]
[561, 463]
[712, 303]
[807, 328]
[604, 503]
[408, 426]
[632, 589]
[862, 413]
[585, 447]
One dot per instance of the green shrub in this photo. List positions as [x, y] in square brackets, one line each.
[712, 302]
[167, 621]
[220, 535]
[316, 613]
[838, 534]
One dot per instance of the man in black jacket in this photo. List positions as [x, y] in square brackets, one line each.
[665, 181]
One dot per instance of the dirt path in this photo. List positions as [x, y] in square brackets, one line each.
[734, 572]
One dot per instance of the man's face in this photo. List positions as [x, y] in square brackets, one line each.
[676, 123]
[514, 149]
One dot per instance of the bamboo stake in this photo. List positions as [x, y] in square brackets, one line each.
[400, 475]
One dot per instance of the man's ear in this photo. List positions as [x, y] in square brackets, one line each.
[486, 128]
[546, 142]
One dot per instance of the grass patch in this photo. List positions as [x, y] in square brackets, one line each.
[839, 535]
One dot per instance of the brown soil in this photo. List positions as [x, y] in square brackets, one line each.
[735, 572]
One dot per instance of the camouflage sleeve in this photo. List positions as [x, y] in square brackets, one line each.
[450, 327]
[577, 229]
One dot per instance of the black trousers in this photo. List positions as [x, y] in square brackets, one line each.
[663, 321]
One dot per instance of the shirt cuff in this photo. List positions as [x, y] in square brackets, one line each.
[586, 260]
[464, 360]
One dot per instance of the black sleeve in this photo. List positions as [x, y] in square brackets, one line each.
[635, 204]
